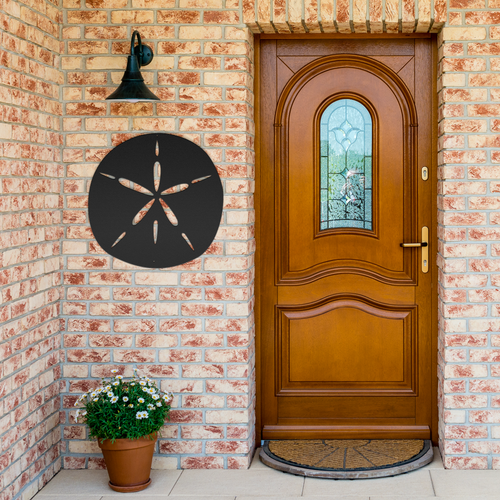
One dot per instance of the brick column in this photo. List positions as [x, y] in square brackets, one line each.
[30, 217]
[469, 234]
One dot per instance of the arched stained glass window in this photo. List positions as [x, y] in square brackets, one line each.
[346, 165]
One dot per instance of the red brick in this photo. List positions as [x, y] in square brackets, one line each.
[202, 432]
[465, 371]
[195, 401]
[226, 355]
[180, 447]
[134, 356]
[467, 4]
[471, 64]
[481, 17]
[202, 371]
[180, 294]
[484, 265]
[238, 462]
[88, 356]
[466, 340]
[180, 325]
[218, 17]
[134, 293]
[484, 386]
[110, 340]
[180, 356]
[129, 325]
[465, 432]
[178, 16]
[202, 340]
[202, 309]
[178, 78]
[465, 463]
[162, 371]
[202, 462]
[95, 325]
[186, 416]
[227, 447]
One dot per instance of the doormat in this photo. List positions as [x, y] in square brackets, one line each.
[347, 458]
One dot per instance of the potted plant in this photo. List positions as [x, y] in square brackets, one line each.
[125, 416]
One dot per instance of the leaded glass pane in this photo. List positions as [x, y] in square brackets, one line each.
[346, 165]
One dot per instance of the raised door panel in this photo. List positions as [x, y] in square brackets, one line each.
[346, 346]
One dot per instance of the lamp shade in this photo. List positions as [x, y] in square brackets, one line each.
[133, 88]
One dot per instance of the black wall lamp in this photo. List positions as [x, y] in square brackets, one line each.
[133, 88]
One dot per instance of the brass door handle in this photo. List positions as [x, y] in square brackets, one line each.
[413, 245]
[425, 250]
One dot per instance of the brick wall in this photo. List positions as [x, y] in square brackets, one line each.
[469, 233]
[192, 327]
[189, 327]
[30, 217]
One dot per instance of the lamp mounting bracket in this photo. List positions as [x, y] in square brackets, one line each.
[143, 53]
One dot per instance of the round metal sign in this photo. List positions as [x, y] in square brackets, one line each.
[156, 201]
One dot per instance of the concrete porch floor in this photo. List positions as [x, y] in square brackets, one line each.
[261, 482]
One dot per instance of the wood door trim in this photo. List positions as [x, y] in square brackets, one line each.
[260, 270]
[347, 432]
[338, 36]
[434, 239]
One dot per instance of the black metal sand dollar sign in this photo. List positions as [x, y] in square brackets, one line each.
[156, 201]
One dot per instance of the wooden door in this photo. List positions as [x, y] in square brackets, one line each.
[346, 313]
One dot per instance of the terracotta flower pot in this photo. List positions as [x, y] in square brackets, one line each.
[128, 462]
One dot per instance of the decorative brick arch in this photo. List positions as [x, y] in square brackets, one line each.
[344, 16]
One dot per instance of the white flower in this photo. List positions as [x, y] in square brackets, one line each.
[95, 399]
[116, 383]
[108, 388]
[145, 414]
[155, 396]
[150, 407]
[93, 395]
[132, 384]
[115, 399]
[110, 394]
[142, 382]
[114, 371]
[158, 404]
[125, 398]
[141, 400]
[76, 403]
[119, 377]
[77, 414]
[138, 415]
[130, 405]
